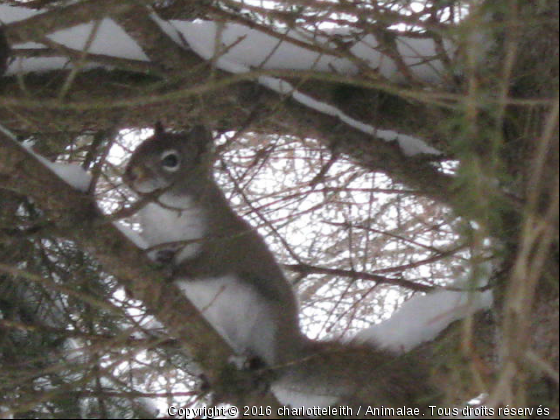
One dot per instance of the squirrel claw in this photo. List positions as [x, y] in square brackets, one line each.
[164, 256]
[163, 259]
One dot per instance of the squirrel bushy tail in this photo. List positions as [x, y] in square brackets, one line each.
[355, 375]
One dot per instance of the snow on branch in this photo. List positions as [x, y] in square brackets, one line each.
[238, 49]
[73, 175]
[422, 318]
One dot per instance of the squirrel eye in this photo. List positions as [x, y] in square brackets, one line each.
[170, 160]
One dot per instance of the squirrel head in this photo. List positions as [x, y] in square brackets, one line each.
[167, 159]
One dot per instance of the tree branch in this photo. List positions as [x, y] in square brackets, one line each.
[356, 275]
[76, 216]
[223, 101]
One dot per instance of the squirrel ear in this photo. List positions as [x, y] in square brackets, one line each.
[202, 134]
[158, 128]
[202, 137]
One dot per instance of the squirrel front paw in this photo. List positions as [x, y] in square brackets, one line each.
[165, 256]
[247, 362]
[243, 375]
[164, 261]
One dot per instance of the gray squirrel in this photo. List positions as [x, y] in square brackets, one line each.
[226, 270]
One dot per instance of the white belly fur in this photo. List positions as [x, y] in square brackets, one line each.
[162, 225]
[239, 314]
[236, 312]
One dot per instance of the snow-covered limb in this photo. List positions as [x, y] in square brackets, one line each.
[73, 175]
[422, 318]
[134, 236]
[77, 178]
[254, 49]
[9, 14]
[248, 47]
[238, 49]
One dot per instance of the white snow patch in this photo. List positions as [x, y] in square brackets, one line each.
[255, 49]
[9, 14]
[73, 175]
[135, 237]
[422, 318]
[110, 39]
